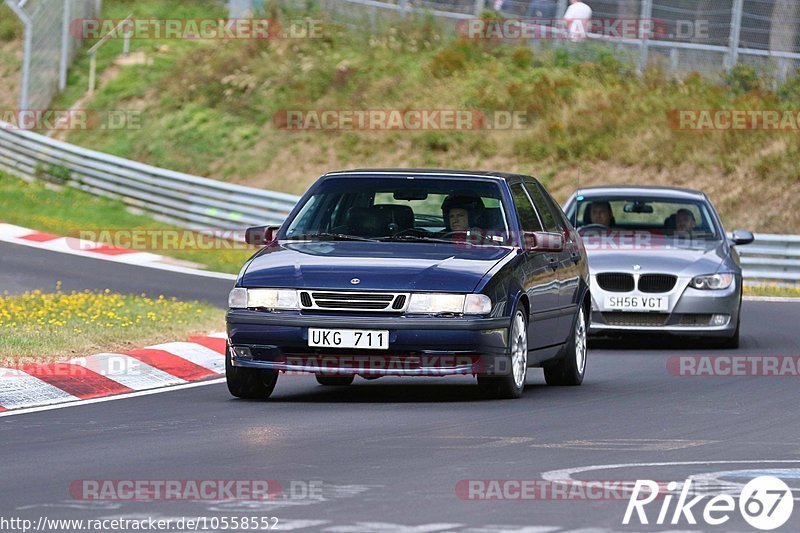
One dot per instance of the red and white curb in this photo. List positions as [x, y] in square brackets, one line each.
[106, 374]
[74, 246]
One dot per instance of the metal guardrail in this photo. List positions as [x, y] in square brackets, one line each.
[772, 257]
[175, 197]
[206, 204]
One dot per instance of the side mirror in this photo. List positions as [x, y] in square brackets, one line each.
[544, 241]
[741, 236]
[260, 235]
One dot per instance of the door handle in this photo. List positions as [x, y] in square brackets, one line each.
[576, 257]
[552, 262]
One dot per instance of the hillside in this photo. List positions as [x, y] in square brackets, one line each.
[210, 108]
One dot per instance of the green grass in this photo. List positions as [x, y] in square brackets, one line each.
[208, 108]
[10, 26]
[772, 290]
[68, 211]
[39, 326]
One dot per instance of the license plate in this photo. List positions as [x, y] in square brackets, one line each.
[637, 303]
[349, 338]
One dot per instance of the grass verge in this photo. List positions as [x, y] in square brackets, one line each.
[68, 211]
[51, 326]
[772, 290]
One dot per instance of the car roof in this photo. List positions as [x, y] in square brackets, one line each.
[425, 172]
[649, 190]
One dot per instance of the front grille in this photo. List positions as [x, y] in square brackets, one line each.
[615, 282]
[653, 283]
[353, 301]
[695, 320]
[635, 319]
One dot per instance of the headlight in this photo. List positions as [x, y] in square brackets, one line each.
[237, 299]
[477, 304]
[432, 303]
[272, 298]
[269, 298]
[713, 281]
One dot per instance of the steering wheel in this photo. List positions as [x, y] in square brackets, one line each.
[596, 227]
[411, 231]
[465, 235]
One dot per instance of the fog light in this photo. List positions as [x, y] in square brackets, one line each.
[242, 352]
[720, 320]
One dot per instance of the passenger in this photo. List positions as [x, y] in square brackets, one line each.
[461, 212]
[600, 213]
[684, 221]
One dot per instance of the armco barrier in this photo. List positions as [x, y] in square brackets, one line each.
[182, 199]
[196, 202]
[772, 257]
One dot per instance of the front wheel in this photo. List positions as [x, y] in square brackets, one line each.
[249, 383]
[570, 369]
[511, 384]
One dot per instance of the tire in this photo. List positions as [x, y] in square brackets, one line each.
[249, 383]
[511, 385]
[571, 367]
[335, 381]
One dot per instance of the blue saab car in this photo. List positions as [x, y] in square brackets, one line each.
[413, 273]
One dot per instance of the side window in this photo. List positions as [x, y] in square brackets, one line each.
[527, 216]
[551, 220]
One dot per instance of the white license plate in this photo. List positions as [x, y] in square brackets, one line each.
[637, 303]
[349, 338]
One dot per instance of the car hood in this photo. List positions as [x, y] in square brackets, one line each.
[698, 259]
[377, 265]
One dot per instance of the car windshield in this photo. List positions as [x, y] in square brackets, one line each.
[402, 209]
[669, 217]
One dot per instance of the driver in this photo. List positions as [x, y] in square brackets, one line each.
[600, 213]
[461, 212]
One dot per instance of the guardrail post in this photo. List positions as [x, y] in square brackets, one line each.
[27, 22]
[480, 6]
[92, 73]
[403, 8]
[736, 29]
[64, 65]
[647, 15]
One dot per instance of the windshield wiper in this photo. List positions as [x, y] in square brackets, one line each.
[331, 236]
[416, 238]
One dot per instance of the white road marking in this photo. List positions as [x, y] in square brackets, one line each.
[385, 527]
[565, 474]
[128, 371]
[111, 398]
[196, 353]
[18, 389]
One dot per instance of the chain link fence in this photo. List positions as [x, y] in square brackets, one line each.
[49, 45]
[707, 36]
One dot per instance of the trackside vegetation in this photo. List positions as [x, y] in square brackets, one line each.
[214, 108]
[48, 326]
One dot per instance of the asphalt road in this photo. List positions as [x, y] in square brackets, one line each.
[23, 268]
[388, 455]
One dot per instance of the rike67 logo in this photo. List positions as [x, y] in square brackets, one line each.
[766, 503]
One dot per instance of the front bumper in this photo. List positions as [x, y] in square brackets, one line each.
[690, 312]
[418, 345]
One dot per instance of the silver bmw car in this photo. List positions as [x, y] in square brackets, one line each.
[660, 261]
